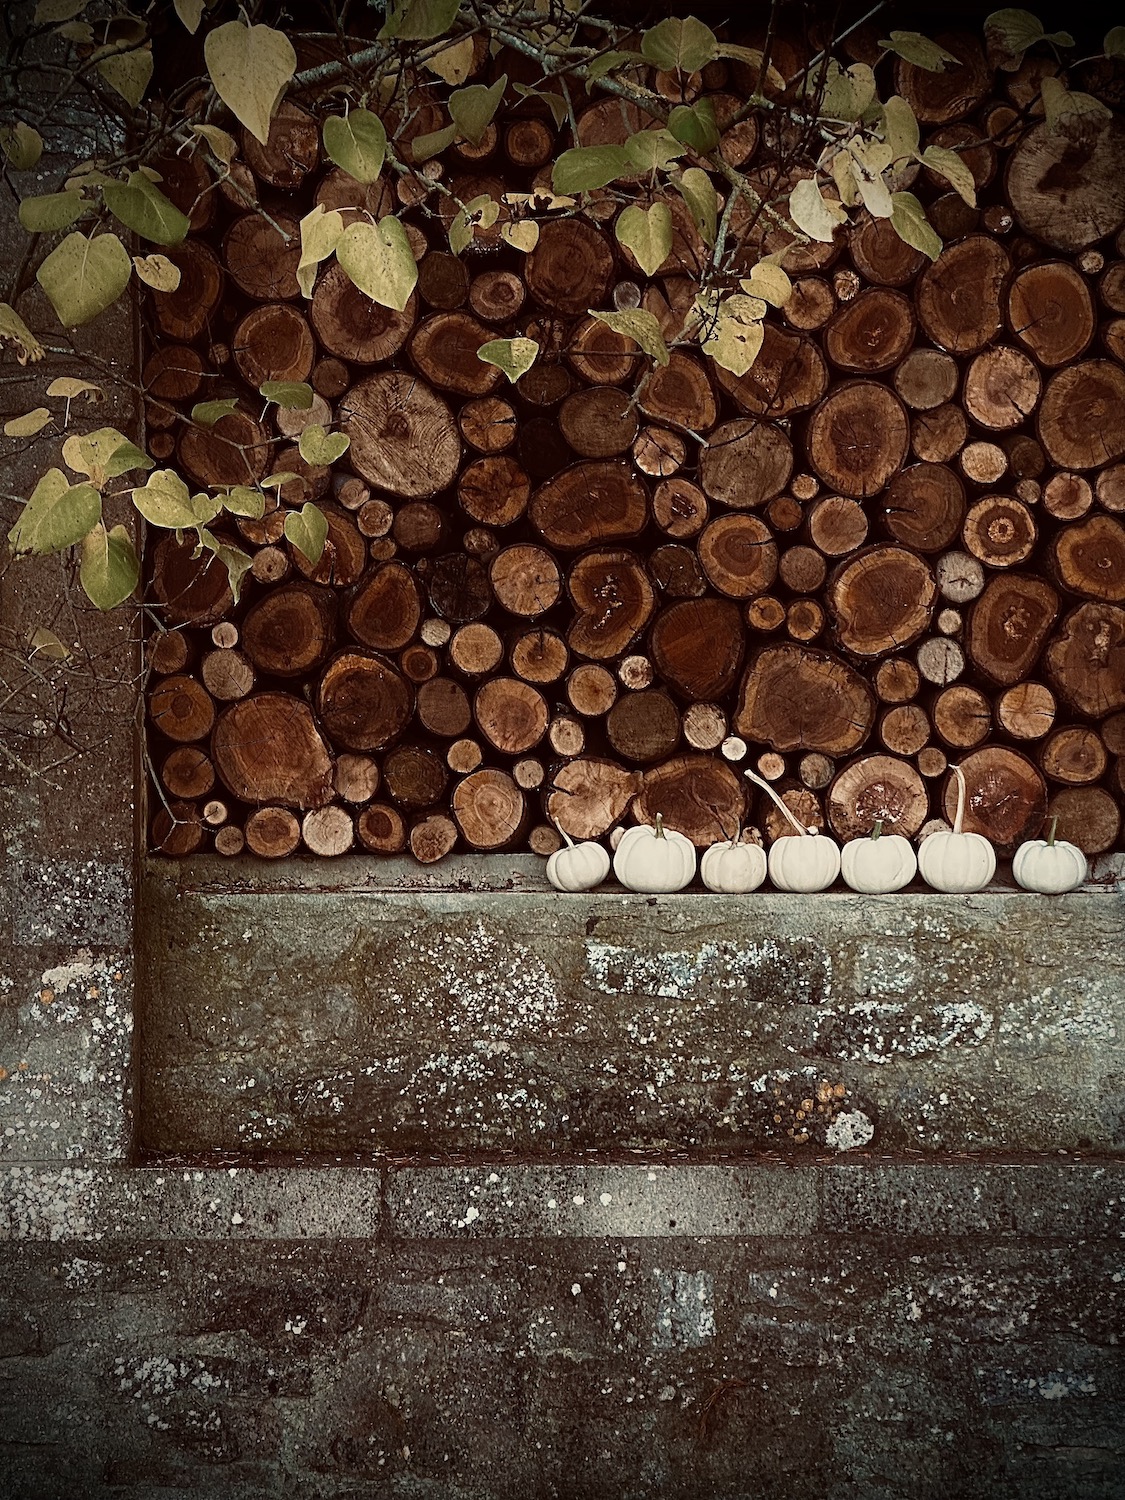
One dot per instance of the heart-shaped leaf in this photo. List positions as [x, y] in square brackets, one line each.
[307, 530]
[236, 562]
[320, 234]
[103, 454]
[57, 515]
[51, 212]
[357, 142]
[418, 20]
[69, 387]
[241, 500]
[142, 207]
[647, 233]
[379, 260]
[472, 109]
[82, 277]
[521, 234]
[915, 48]
[109, 569]
[650, 150]
[734, 335]
[290, 395]
[190, 13]
[641, 327]
[453, 63]
[207, 413]
[584, 168]
[672, 44]
[480, 212]
[22, 145]
[321, 448]
[952, 167]
[250, 67]
[164, 501]
[44, 642]
[514, 356]
[695, 125]
[128, 73]
[816, 215]
[157, 271]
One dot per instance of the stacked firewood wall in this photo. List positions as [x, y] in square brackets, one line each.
[599, 593]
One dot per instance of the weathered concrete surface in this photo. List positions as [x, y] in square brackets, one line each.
[872, 1333]
[353, 1019]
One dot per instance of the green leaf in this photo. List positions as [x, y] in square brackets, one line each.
[379, 260]
[236, 562]
[321, 448]
[14, 331]
[900, 128]
[472, 109]
[241, 500]
[698, 192]
[29, 424]
[601, 66]
[128, 73]
[909, 222]
[647, 233]
[357, 142]
[640, 326]
[433, 143]
[290, 395]
[695, 125]
[672, 44]
[952, 167]
[1114, 44]
[320, 234]
[204, 508]
[308, 531]
[514, 356]
[550, 97]
[846, 92]
[650, 150]
[482, 210]
[915, 48]
[735, 333]
[109, 570]
[584, 168]
[164, 501]
[1008, 34]
[1066, 111]
[814, 214]
[57, 515]
[418, 20]
[207, 413]
[142, 207]
[250, 67]
[103, 454]
[190, 13]
[82, 277]
[21, 145]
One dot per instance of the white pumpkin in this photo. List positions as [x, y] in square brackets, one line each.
[879, 864]
[1049, 865]
[578, 867]
[805, 862]
[733, 868]
[654, 860]
[957, 862]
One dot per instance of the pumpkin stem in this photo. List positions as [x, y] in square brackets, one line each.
[877, 829]
[659, 826]
[569, 840]
[959, 819]
[1051, 832]
[765, 786]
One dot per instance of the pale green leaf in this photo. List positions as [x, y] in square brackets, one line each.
[190, 13]
[418, 20]
[871, 158]
[734, 335]
[842, 167]
[57, 515]
[602, 65]
[915, 48]
[27, 425]
[1070, 112]
[222, 143]
[814, 214]
[52, 12]
[521, 234]
[69, 386]
[321, 448]
[432, 143]
[109, 571]
[379, 260]
[550, 97]
[650, 150]
[640, 326]
[846, 92]
[250, 67]
[103, 454]
[14, 331]
[514, 356]
[1009, 33]
[21, 145]
[241, 500]
[357, 142]
[82, 277]
[1114, 44]
[647, 233]
[164, 501]
[157, 271]
[290, 395]
[77, 31]
[128, 73]
[51, 211]
[236, 562]
[900, 128]
[307, 530]
[582, 169]
[320, 234]
[482, 211]
[672, 44]
[909, 222]
[204, 508]
[951, 166]
[472, 109]
[698, 192]
[453, 63]
[769, 283]
[695, 125]
[143, 208]
[207, 413]
[44, 642]
[275, 481]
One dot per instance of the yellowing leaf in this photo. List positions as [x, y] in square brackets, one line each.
[290, 395]
[915, 48]
[14, 331]
[51, 211]
[650, 150]
[221, 142]
[455, 63]
[82, 277]
[672, 44]
[250, 67]
[472, 109]
[870, 158]
[1070, 113]
[379, 260]
[207, 413]
[321, 448]
[44, 642]
[846, 92]
[27, 425]
[734, 335]
[190, 13]
[241, 500]
[307, 530]
[482, 211]
[432, 143]
[69, 387]
[647, 233]
[698, 192]
[1008, 34]
[320, 234]
[521, 234]
[514, 356]
[640, 326]
[584, 168]
[103, 454]
[157, 271]
[21, 145]
[356, 142]
[842, 167]
[57, 515]
[769, 283]
[816, 215]
[129, 73]
[236, 562]
[753, 58]
[900, 128]
[109, 569]
[143, 208]
[164, 501]
[952, 167]
[418, 20]
[909, 222]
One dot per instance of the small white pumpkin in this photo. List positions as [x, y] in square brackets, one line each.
[733, 867]
[879, 864]
[957, 862]
[806, 863]
[1049, 865]
[654, 860]
[577, 867]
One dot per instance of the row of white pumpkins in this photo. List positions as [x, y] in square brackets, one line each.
[657, 860]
